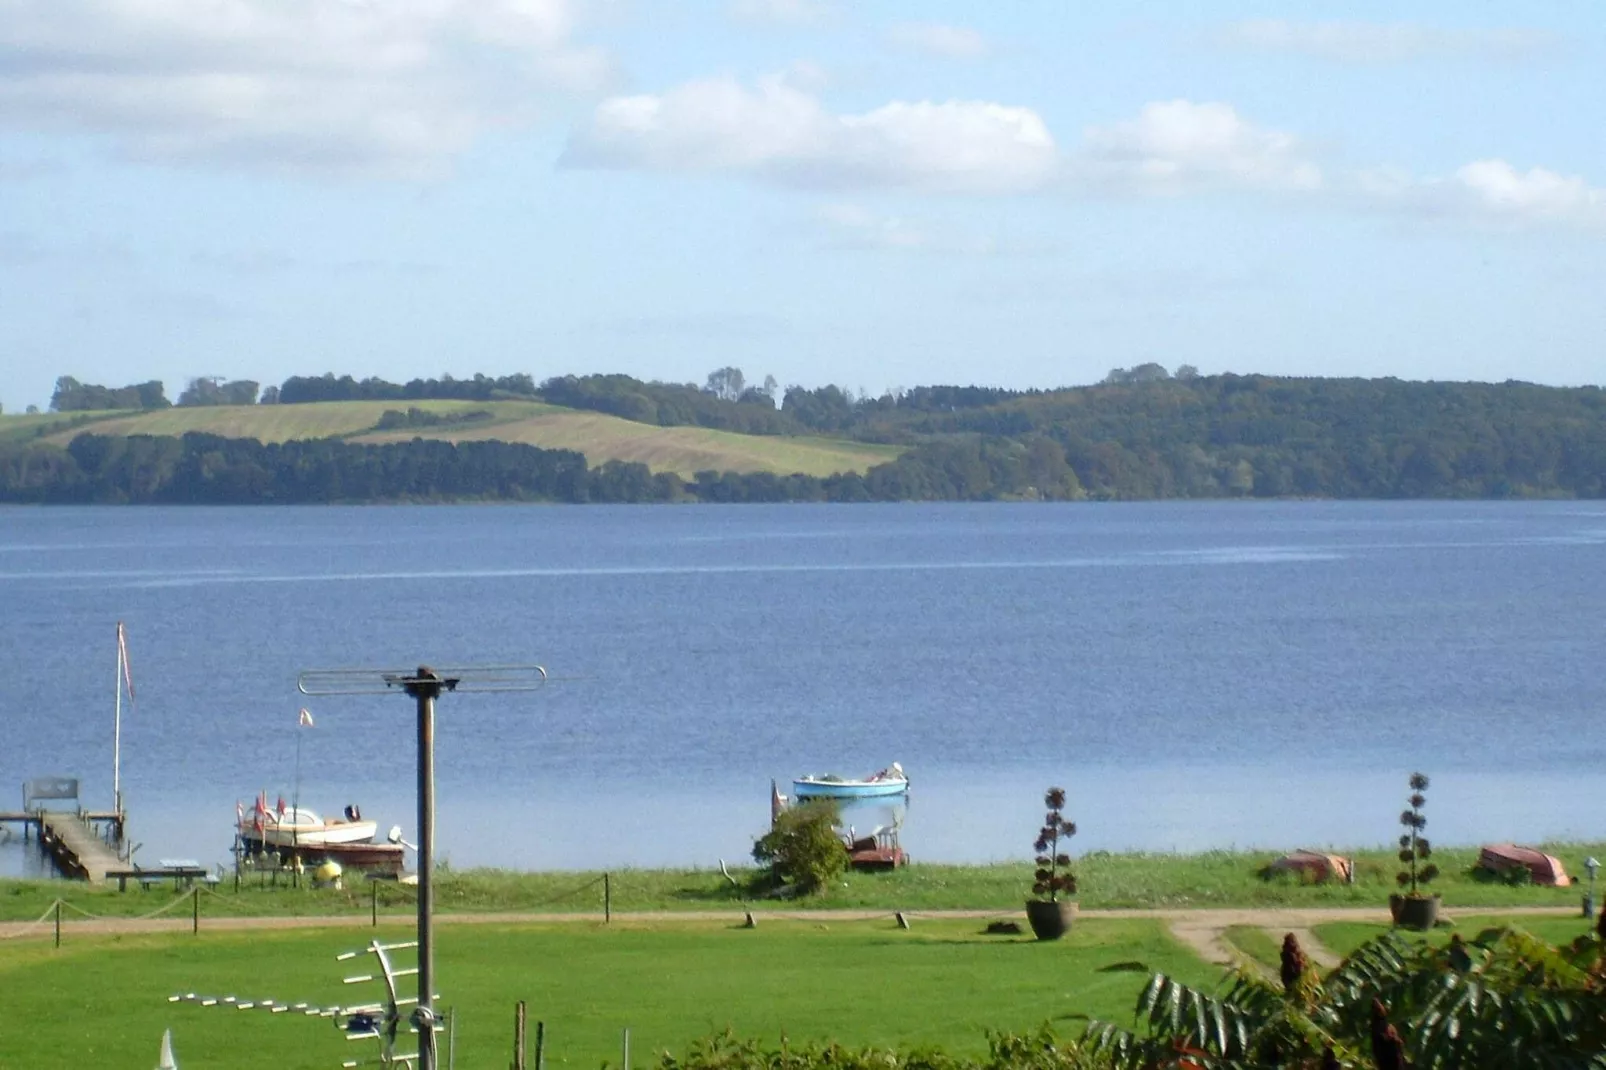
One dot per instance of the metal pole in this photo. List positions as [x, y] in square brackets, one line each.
[373, 900]
[540, 1045]
[58, 923]
[425, 691]
[607, 898]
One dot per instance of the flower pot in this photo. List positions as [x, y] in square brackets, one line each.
[1420, 912]
[1050, 921]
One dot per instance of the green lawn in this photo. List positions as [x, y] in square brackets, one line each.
[102, 1002]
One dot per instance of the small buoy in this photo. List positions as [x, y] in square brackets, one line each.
[328, 874]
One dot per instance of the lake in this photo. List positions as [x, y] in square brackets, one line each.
[1194, 674]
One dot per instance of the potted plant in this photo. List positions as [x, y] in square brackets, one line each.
[1415, 909]
[1049, 915]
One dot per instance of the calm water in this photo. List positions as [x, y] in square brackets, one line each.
[1194, 674]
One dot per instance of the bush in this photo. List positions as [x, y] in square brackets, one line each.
[802, 847]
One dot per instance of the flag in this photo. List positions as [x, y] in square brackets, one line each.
[306, 717]
[280, 808]
[122, 659]
[239, 813]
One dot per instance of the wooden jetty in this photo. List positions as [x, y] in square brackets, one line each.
[79, 841]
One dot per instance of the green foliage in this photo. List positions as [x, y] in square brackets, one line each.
[1053, 874]
[1414, 847]
[1505, 999]
[803, 848]
[72, 396]
[1005, 1051]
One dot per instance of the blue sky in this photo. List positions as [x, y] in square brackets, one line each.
[877, 195]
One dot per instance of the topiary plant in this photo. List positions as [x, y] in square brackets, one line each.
[1414, 847]
[1054, 874]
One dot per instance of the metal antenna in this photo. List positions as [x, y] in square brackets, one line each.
[379, 1021]
[425, 686]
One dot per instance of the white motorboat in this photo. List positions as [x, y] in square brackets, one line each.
[297, 826]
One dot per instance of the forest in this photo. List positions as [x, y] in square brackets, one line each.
[1143, 433]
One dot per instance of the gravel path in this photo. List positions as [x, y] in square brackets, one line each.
[1202, 929]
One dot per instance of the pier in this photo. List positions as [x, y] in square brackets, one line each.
[81, 843]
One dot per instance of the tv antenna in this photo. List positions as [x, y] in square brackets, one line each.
[380, 1021]
[425, 685]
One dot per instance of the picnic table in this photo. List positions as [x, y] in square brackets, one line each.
[181, 871]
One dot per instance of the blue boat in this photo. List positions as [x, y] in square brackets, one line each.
[889, 781]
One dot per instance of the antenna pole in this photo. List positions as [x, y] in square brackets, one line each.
[425, 688]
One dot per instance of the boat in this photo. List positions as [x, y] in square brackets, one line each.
[888, 781]
[1504, 859]
[298, 827]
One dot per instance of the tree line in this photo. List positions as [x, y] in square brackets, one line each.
[1141, 434]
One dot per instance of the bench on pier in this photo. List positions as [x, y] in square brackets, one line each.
[181, 871]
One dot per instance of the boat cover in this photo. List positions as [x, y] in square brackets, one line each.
[1542, 868]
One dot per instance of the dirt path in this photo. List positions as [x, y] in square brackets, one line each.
[1202, 929]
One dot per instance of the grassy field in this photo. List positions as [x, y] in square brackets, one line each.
[1210, 879]
[942, 983]
[684, 450]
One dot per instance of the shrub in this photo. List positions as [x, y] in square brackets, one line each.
[802, 847]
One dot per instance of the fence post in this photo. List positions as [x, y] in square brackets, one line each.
[607, 898]
[58, 922]
[518, 1036]
[195, 909]
[373, 900]
[540, 1046]
[627, 1048]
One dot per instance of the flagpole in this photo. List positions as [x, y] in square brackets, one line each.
[117, 729]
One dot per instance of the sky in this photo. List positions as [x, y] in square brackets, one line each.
[879, 195]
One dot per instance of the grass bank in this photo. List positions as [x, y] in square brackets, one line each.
[1107, 881]
[104, 1002]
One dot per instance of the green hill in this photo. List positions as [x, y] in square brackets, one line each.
[684, 451]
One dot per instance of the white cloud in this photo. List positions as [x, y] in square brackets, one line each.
[938, 39]
[1376, 42]
[1536, 194]
[1180, 146]
[778, 132]
[1495, 192]
[342, 85]
[784, 12]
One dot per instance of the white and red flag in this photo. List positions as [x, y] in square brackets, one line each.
[122, 659]
[306, 718]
